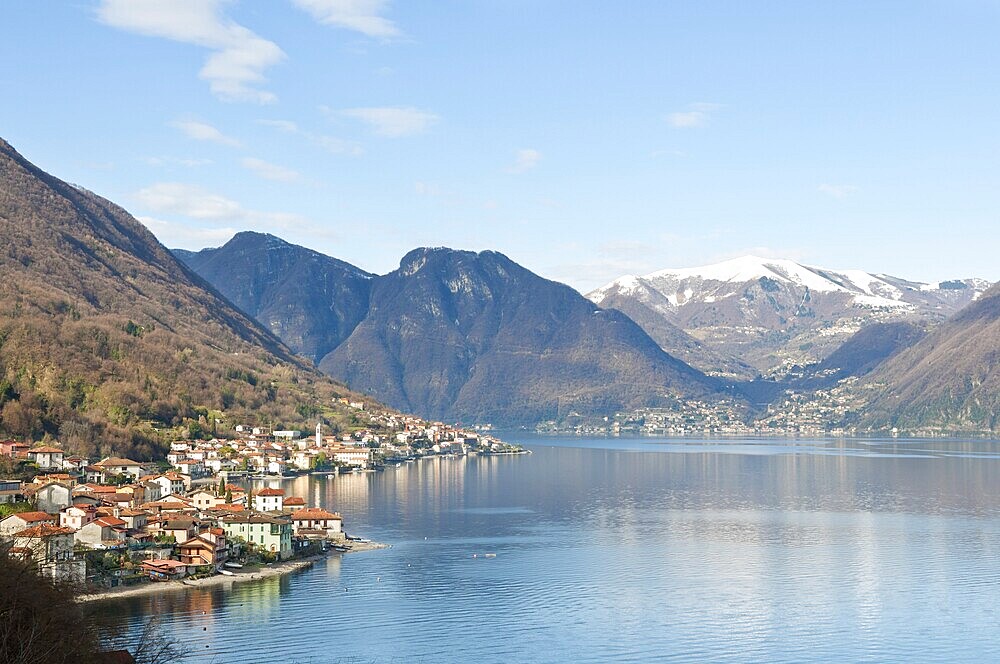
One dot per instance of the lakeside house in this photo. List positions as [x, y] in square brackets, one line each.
[209, 547]
[316, 522]
[165, 570]
[270, 533]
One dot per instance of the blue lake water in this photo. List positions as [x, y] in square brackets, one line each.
[634, 550]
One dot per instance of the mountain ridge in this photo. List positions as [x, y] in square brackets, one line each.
[106, 338]
[949, 381]
[454, 334]
[308, 299]
[505, 344]
[776, 314]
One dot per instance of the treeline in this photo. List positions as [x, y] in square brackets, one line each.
[103, 384]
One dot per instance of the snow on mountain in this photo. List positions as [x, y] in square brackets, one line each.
[708, 283]
[776, 314]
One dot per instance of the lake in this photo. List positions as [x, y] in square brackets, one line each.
[634, 550]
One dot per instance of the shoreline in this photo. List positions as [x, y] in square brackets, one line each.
[264, 572]
[700, 435]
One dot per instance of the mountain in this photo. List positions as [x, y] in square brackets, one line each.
[309, 300]
[775, 314]
[106, 339]
[672, 339]
[949, 381]
[861, 354]
[458, 335]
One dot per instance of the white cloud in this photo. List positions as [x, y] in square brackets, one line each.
[422, 188]
[392, 122]
[838, 190]
[286, 126]
[269, 171]
[176, 161]
[194, 202]
[698, 115]
[362, 16]
[202, 131]
[234, 69]
[688, 119]
[331, 144]
[336, 145]
[189, 201]
[210, 216]
[525, 160]
[185, 236]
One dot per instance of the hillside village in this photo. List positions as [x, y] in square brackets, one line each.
[118, 521]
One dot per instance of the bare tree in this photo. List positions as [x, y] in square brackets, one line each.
[41, 623]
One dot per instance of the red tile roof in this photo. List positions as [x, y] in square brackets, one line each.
[271, 492]
[35, 517]
[112, 521]
[314, 513]
[43, 530]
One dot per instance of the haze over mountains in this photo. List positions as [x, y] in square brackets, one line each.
[105, 336]
[460, 335]
[776, 315]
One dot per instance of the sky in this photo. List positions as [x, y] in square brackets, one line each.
[584, 139]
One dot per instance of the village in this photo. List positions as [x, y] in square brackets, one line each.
[119, 522]
[817, 413]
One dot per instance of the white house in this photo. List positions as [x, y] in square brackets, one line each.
[51, 547]
[217, 465]
[206, 500]
[46, 457]
[359, 457]
[135, 520]
[269, 500]
[53, 497]
[114, 466]
[317, 521]
[77, 516]
[18, 522]
[191, 467]
[103, 533]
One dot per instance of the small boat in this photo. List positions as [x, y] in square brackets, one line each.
[226, 572]
[233, 565]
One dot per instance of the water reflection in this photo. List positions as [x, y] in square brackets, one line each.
[636, 550]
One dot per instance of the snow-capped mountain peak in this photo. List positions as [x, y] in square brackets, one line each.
[751, 268]
[710, 283]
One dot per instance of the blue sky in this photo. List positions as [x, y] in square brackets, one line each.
[585, 140]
